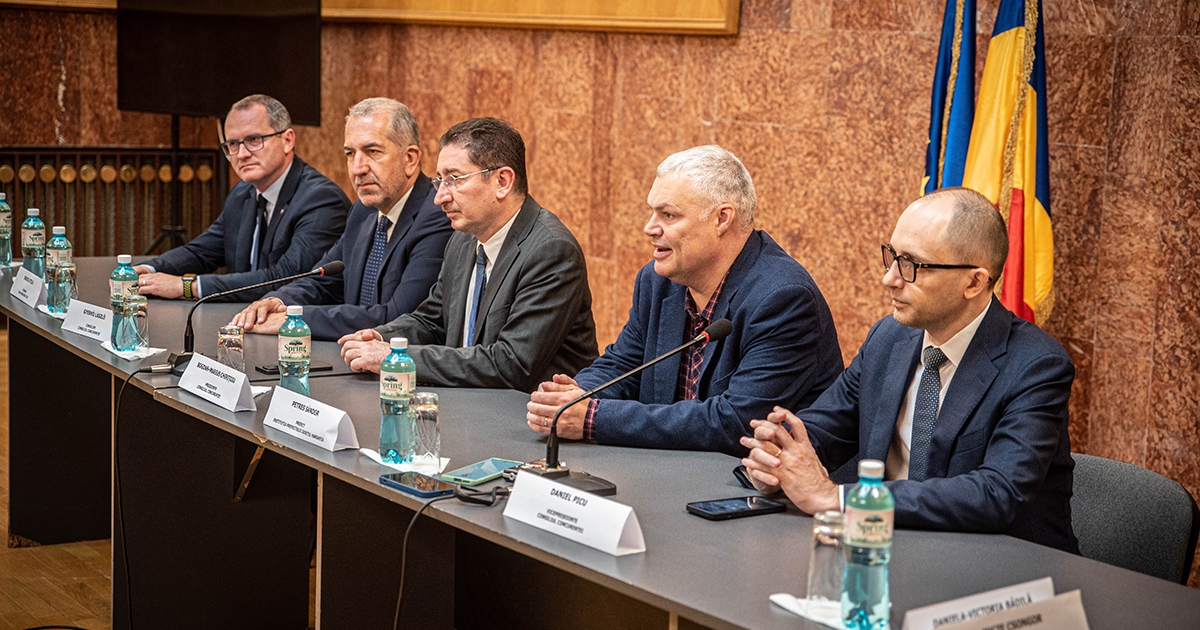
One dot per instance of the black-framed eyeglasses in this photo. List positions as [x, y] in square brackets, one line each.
[451, 181]
[252, 143]
[908, 267]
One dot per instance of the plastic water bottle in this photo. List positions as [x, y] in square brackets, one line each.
[397, 377]
[33, 243]
[58, 254]
[5, 233]
[866, 599]
[295, 351]
[123, 282]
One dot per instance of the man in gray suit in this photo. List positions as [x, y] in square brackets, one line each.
[511, 306]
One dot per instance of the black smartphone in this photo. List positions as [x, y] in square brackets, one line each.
[272, 369]
[725, 509]
[417, 484]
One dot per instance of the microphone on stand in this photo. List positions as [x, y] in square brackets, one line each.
[179, 362]
[716, 331]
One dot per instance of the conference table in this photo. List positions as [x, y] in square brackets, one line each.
[214, 516]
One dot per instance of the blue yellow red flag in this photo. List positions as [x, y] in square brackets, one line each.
[952, 109]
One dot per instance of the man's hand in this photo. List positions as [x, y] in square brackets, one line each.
[263, 317]
[142, 269]
[364, 350]
[163, 285]
[545, 402]
[782, 460]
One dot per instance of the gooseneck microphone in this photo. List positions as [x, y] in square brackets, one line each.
[179, 361]
[554, 469]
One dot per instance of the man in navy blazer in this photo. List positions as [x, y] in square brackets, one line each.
[277, 221]
[393, 243]
[965, 402]
[709, 263]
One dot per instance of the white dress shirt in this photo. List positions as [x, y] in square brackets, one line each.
[491, 249]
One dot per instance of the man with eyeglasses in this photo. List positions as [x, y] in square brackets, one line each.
[393, 242]
[964, 402]
[277, 221]
[511, 305]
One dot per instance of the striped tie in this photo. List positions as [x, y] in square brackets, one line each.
[366, 297]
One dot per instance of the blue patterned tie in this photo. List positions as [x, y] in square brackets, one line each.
[480, 280]
[366, 297]
[925, 414]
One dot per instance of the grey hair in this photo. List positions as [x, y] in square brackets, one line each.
[277, 114]
[403, 125]
[718, 176]
[976, 230]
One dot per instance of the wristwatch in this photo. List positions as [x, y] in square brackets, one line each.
[188, 279]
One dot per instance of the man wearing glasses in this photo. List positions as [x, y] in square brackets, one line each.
[511, 305]
[277, 221]
[393, 242]
[964, 402]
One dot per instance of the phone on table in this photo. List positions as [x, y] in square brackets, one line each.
[272, 369]
[725, 509]
[417, 484]
[480, 472]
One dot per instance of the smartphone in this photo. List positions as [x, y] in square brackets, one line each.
[476, 474]
[417, 484]
[272, 369]
[724, 509]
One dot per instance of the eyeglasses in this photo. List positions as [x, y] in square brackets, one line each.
[451, 181]
[908, 267]
[252, 143]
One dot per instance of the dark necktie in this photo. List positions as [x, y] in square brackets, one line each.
[925, 414]
[366, 297]
[260, 231]
[480, 280]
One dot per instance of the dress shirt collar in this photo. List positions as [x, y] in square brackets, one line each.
[956, 346]
[393, 215]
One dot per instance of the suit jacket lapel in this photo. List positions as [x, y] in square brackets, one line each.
[249, 218]
[358, 257]
[670, 334]
[733, 280]
[460, 263]
[520, 230]
[286, 192]
[408, 215]
[905, 353]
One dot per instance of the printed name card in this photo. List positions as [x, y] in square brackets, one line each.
[28, 288]
[974, 607]
[587, 519]
[88, 320]
[1064, 612]
[310, 420]
[218, 384]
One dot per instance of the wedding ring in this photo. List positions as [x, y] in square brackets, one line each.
[779, 453]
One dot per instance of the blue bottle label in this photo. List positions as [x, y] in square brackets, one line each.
[869, 528]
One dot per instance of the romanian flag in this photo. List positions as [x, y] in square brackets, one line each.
[1008, 160]
[953, 106]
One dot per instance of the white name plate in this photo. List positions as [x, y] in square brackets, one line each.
[28, 288]
[88, 320]
[310, 420]
[587, 519]
[218, 384]
[1064, 612]
[979, 605]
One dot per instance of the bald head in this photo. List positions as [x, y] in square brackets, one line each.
[973, 228]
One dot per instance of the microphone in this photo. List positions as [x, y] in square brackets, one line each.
[179, 361]
[714, 332]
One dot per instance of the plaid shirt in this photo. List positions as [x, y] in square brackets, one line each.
[688, 385]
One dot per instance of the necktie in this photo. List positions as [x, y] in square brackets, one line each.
[260, 231]
[366, 297]
[480, 280]
[925, 414]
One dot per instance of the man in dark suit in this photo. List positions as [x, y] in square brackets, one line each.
[709, 263]
[965, 402]
[393, 243]
[277, 221]
[511, 305]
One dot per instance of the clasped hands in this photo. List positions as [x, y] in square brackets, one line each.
[546, 401]
[780, 460]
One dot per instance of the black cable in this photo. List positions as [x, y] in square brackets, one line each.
[120, 498]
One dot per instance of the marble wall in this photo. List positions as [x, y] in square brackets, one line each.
[826, 101]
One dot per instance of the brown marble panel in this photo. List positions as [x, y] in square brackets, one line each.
[701, 59]
[812, 14]
[29, 97]
[1136, 126]
[1129, 260]
[489, 93]
[1079, 84]
[429, 108]
[600, 237]
[1081, 356]
[603, 282]
[765, 15]
[1189, 17]
[887, 15]
[852, 329]
[565, 67]
[1096, 17]
[560, 166]
[650, 65]
[882, 79]
[1120, 401]
[1147, 17]
[1184, 109]
[776, 77]
[1076, 205]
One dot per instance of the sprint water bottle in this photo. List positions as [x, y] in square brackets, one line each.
[5, 233]
[866, 600]
[58, 256]
[123, 282]
[33, 243]
[397, 377]
[295, 343]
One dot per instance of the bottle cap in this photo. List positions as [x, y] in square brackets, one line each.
[58, 229]
[32, 212]
[3, 196]
[124, 259]
[399, 342]
[295, 310]
[870, 468]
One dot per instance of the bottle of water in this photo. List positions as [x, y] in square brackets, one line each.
[397, 377]
[295, 343]
[123, 282]
[5, 233]
[33, 243]
[866, 600]
[58, 254]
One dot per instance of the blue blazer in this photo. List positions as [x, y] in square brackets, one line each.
[1000, 457]
[308, 217]
[783, 351]
[410, 267]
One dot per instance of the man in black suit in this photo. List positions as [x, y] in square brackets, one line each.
[393, 242]
[277, 221]
[511, 306]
